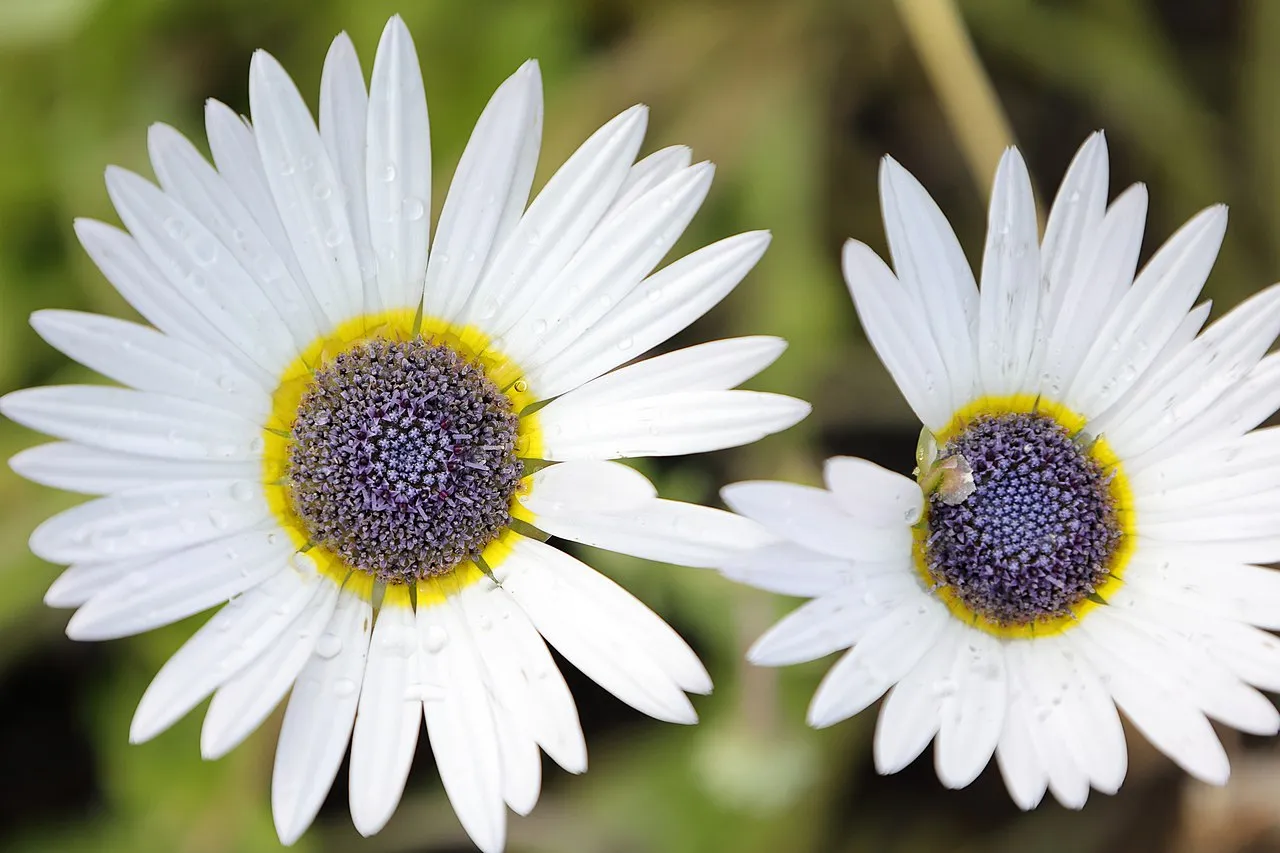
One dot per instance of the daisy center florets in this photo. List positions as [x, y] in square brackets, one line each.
[1037, 534]
[403, 459]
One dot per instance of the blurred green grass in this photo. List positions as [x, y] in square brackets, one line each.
[795, 101]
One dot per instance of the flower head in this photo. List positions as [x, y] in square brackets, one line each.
[1086, 529]
[360, 438]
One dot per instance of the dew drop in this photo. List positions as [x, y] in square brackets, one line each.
[413, 209]
[540, 327]
[626, 343]
[322, 190]
[328, 646]
[389, 173]
[333, 237]
[344, 687]
[521, 386]
[175, 228]
[654, 294]
[242, 490]
[226, 383]
[218, 519]
[435, 639]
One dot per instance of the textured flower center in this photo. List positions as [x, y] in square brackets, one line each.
[1037, 535]
[403, 459]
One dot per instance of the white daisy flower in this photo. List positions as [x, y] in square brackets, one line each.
[328, 422]
[1089, 511]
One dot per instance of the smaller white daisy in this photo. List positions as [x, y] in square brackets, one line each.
[359, 438]
[1089, 512]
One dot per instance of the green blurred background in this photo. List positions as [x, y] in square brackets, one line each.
[795, 101]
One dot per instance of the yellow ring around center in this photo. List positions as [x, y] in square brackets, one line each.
[399, 325]
[1120, 491]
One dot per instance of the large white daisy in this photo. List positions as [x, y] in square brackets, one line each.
[363, 444]
[1089, 511]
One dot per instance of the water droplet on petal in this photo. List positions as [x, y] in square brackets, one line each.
[435, 639]
[328, 646]
[243, 490]
[344, 687]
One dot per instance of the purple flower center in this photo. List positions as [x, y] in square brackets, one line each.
[1037, 536]
[403, 460]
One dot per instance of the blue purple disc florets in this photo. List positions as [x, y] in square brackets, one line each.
[1037, 535]
[403, 460]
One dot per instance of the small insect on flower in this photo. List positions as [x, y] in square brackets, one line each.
[362, 445]
[1089, 512]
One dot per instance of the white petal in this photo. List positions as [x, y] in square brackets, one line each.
[614, 639]
[235, 636]
[1009, 297]
[135, 422]
[306, 188]
[665, 531]
[488, 192]
[132, 273]
[714, 366]
[1233, 591]
[615, 257]
[903, 343]
[871, 494]
[344, 110]
[909, 715]
[389, 716]
[201, 269]
[1172, 723]
[83, 581]
[887, 649]
[1016, 756]
[93, 471]
[152, 520]
[1038, 675]
[1087, 300]
[663, 304]
[646, 174]
[973, 715]
[836, 621]
[1077, 211]
[556, 224]
[667, 425]
[789, 569]
[152, 361]
[245, 700]
[181, 584]
[525, 678]
[1148, 314]
[235, 153]
[398, 169]
[460, 723]
[194, 184]
[930, 264]
[521, 764]
[318, 720]
[812, 517]
[589, 486]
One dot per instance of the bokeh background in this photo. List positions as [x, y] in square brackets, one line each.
[795, 101]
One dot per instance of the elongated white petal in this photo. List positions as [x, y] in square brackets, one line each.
[398, 168]
[344, 108]
[245, 700]
[615, 257]
[570, 488]
[871, 494]
[521, 762]
[973, 715]
[885, 652]
[930, 264]
[83, 581]
[813, 518]
[791, 570]
[306, 189]
[489, 191]
[909, 715]
[93, 471]
[611, 637]
[667, 425]
[318, 720]
[461, 723]
[389, 717]
[666, 531]
[233, 638]
[906, 349]
[1009, 298]
[714, 366]
[152, 361]
[569, 207]
[663, 304]
[181, 584]
[525, 679]
[139, 422]
[153, 520]
[189, 179]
